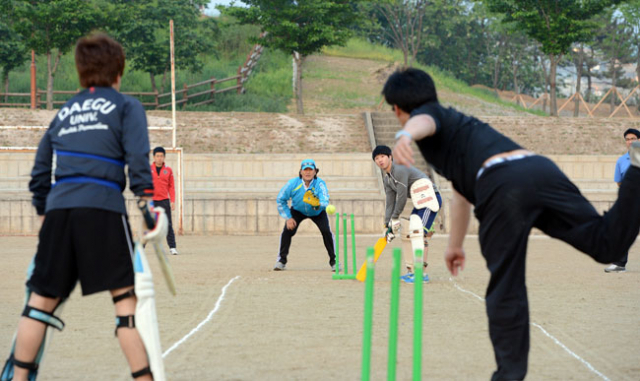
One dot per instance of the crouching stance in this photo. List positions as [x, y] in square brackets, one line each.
[400, 183]
[77, 183]
[309, 199]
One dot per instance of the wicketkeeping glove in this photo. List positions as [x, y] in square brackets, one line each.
[311, 199]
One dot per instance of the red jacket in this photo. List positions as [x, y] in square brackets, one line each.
[163, 186]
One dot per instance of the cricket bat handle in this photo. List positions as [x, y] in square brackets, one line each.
[143, 205]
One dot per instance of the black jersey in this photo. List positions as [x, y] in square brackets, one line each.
[459, 146]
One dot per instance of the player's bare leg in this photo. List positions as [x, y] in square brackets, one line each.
[31, 334]
[129, 339]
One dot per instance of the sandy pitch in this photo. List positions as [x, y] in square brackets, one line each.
[301, 325]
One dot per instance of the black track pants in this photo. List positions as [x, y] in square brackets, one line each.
[512, 198]
[321, 221]
[171, 237]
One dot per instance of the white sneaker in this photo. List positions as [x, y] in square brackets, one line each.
[173, 251]
[279, 266]
[615, 269]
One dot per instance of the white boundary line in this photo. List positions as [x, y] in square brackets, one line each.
[558, 342]
[205, 321]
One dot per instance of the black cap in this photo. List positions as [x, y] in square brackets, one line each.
[632, 131]
[159, 149]
[381, 150]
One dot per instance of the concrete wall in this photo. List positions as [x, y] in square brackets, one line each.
[235, 194]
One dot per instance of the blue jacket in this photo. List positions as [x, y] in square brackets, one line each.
[623, 163]
[81, 158]
[294, 190]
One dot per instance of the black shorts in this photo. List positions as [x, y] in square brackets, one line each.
[93, 246]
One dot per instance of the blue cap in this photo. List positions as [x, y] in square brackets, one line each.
[308, 163]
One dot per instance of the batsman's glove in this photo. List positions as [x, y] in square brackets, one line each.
[388, 234]
[394, 225]
[159, 231]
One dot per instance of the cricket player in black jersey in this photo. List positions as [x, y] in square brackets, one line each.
[513, 190]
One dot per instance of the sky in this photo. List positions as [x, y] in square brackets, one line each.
[211, 11]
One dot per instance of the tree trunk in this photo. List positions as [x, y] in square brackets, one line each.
[49, 83]
[612, 101]
[298, 59]
[6, 86]
[51, 72]
[553, 106]
[496, 64]
[589, 84]
[514, 69]
[545, 85]
[576, 109]
[164, 81]
[638, 70]
[496, 75]
[153, 82]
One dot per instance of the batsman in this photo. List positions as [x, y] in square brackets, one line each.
[77, 183]
[402, 182]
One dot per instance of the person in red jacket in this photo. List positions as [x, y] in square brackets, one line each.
[164, 191]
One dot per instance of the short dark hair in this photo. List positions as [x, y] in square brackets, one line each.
[632, 131]
[380, 150]
[99, 60]
[159, 149]
[409, 89]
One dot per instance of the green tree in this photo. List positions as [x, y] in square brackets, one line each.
[299, 28]
[404, 25]
[631, 13]
[142, 26]
[614, 42]
[556, 24]
[52, 27]
[13, 52]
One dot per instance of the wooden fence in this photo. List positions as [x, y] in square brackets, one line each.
[188, 95]
[519, 99]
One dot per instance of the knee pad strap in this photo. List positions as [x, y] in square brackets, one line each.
[129, 294]
[43, 317]
[126, 321]
[142, 372]
[24, 365]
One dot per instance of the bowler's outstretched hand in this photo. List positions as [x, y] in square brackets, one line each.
[454, 258]
[402, 152]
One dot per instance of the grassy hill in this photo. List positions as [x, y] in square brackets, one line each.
[338, 85]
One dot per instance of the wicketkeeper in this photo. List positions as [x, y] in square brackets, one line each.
[77, 183]
[402, 182]
[309, 198]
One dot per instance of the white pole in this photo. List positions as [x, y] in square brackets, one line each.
[173, 85]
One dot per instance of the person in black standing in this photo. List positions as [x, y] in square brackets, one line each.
[513, 190]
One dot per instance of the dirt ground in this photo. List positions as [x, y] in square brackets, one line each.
[302, 325]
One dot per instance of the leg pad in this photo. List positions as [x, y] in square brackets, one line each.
[127, 321]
